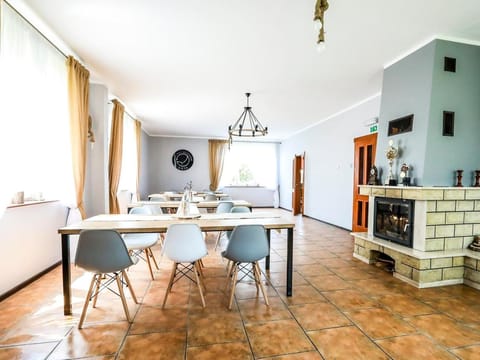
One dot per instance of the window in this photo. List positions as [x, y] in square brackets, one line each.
[35, 134]
[250, 164]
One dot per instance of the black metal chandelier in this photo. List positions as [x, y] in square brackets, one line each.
[247, 124]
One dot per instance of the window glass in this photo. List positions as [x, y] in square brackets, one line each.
[128, 174]
[250, 164]
[35, 136]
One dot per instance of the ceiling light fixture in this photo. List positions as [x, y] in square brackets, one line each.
[320, 7]
[247, 124]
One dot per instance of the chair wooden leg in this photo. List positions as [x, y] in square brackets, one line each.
[147, 257]
[130, 288]
[170, 283]
[199, 283]
[197, 267]
[153, 258]
[233, 285]
[259, 281]
[255, 275]
[98, 282]
[122, 296]
[218, 240]
[87, 300]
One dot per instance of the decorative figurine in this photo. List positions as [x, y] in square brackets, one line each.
[404, 175]
[459, 178]
[391, 153]
[475, 245]
[373, 178]
[477, 178]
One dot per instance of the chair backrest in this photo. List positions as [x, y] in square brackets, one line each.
[226, 198]
[210, 197]
[240, 209]
[141, 210]
[247, 243]
[102, 251]
[184, 243]
[158, 198]
[224, 207]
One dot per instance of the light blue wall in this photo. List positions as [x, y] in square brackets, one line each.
[458, 92]
[163, 176]
[407, 86]
[329, 156]
[418, 85]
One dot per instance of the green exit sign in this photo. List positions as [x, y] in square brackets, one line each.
[373, 128]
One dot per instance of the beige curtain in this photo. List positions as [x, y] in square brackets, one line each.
[138, 135]
[115, 156]
[78, 90]
[216, 154]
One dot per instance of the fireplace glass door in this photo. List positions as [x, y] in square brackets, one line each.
[394, 220]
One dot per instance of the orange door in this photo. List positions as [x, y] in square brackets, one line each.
[365, 148]
[297, 184]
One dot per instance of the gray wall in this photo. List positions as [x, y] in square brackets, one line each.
[329, 156]
[163, 176]
[407, 87]
[418, 85]
[96, 181]
[458, 92]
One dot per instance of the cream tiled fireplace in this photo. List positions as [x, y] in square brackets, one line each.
[445, 221]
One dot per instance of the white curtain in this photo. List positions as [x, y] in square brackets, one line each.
[34, 135]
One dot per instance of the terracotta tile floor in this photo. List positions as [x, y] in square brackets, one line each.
[341, 309]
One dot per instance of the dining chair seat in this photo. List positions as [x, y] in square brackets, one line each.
[103, 252]
[140, 245]
[185, 246]
[247, 245]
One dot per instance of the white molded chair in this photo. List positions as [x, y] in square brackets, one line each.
[210, 197]
[223, 207]
[104, 253]
[184, 244]
[143, 242]
[248, 244]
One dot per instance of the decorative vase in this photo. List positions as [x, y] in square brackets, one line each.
[459, 178]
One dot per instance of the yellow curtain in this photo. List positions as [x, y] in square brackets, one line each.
[78, 90]
[216, 154]
[138, 135]
[115, 156]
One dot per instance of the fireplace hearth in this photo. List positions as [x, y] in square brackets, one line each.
[393, 220]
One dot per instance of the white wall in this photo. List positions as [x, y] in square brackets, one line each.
[29, 241]
[329, 156]
[163, 176]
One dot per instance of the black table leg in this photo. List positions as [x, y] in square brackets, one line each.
[66, 276]
[267, 258]
[289, 261]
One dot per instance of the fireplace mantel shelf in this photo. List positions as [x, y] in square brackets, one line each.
[422, 193]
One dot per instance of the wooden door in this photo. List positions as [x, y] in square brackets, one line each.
[297, 184]
[365, 148]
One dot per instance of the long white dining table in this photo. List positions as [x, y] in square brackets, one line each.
[128, 223]
[210, 204]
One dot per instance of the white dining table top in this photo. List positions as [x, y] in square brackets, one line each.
[134, 223]
[200, 204]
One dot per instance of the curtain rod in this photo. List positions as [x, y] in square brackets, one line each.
[36, 29]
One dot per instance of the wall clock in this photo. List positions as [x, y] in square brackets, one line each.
[182, 159]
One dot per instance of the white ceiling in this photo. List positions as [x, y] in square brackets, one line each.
[182, 66]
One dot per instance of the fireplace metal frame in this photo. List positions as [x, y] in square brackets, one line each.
[411, 214]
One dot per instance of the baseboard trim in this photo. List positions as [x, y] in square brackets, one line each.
[28, 281]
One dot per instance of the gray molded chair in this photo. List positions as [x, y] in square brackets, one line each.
[222, 207]
[210, 197]
[104, 253]
[158, 198]
[248, 244]
[185, 246]
[140, 245]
